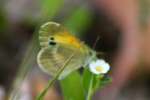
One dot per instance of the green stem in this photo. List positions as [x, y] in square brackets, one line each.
[90, 93]
[51, 82]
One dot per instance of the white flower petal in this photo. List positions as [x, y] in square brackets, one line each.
[99, 67]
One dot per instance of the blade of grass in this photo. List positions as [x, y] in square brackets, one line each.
[51, 82]
[25, 68]
[90, 89]
[91, 83]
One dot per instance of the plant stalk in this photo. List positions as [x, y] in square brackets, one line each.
[90, 92]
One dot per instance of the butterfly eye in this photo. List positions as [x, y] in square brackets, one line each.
[52, 43]
[51, 38]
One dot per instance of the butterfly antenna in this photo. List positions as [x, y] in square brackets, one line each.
[96, 41]
[94, 46]
[51, 82]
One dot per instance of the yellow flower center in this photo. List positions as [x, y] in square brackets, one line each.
[99, 68]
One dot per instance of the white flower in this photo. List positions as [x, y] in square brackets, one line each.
[99, 66]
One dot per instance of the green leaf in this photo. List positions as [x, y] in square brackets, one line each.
[72, 88]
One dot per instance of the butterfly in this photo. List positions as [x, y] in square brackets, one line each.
[57, 45]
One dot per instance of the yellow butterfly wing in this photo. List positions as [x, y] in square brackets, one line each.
[57, 45]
